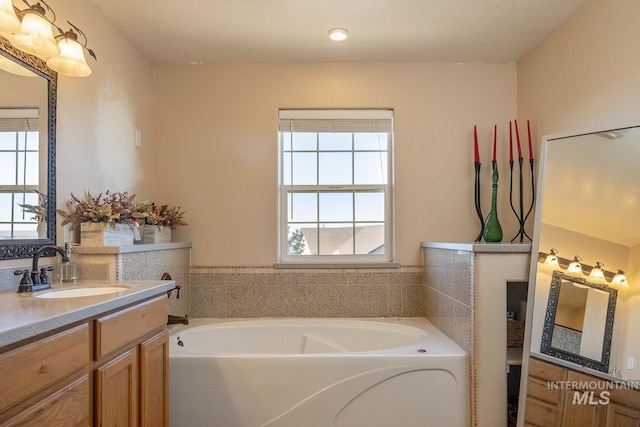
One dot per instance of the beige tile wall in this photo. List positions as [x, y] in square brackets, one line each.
[269, 292]
[449, 293]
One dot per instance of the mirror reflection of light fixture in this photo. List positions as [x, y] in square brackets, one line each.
[619, 281]
[34, 35]
[575, 268]
[597, 275]
[552, 259]
[15, 68]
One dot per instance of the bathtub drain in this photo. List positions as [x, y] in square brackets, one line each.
[422, 350]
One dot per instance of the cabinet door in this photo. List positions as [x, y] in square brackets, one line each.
[585, 413]
[154, 381]
[621, 416]
[116, 392]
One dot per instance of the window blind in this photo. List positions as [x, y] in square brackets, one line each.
[335, 121]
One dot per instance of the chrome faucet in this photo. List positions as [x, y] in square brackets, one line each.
[38, 280]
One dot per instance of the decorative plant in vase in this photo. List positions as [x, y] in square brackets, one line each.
[161, 219]
[116, 211]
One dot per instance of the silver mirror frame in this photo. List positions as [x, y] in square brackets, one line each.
[549, 322]
[25, 248]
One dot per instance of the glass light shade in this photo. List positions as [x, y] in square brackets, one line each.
[35, 36]
[620, 281]
[597, 275]
[71, 60]
[9, 22]
[552, 260]
[575, 268]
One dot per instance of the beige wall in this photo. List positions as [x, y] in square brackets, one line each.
[98, 115]
[584, 75]
[217, 134]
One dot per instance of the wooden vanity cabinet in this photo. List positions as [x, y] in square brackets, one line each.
[131, 372]
[46, 382]
[108, 371]
[580, 400]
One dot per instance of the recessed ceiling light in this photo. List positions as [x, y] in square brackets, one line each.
[338, 34]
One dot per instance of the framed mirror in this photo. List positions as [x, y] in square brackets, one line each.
[588, 205]
[578, 325]
[27, 153]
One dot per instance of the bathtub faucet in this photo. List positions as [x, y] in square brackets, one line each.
[174, 320]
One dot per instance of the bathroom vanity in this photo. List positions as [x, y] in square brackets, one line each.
[561, 396]
[89, 360]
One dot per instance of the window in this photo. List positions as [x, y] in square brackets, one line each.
[19, 172]
[335, 182]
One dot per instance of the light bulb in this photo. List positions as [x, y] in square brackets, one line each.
[338, 34]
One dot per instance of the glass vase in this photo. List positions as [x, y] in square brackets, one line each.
[492, 229]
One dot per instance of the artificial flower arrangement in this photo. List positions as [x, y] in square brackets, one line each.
[164, 216]
[120, 208]
[110, 209]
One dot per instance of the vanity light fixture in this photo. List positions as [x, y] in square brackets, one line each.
[63, 53]
[552, 259]
[597, 275]
[575, 268]
[619, 281]
[71, 59]
[338, 34]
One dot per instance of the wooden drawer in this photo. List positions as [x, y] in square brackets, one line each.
[546, 371]
[542, 390]
[123, 327]
[31, 368]
[69, 406]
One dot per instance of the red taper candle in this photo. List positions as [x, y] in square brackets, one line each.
[495, 132]
[518, 139]
[510, 142]
[475, 140]
[530, 148]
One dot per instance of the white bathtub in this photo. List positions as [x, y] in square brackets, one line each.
[316, 373]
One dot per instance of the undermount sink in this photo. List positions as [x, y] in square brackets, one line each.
[82, 292]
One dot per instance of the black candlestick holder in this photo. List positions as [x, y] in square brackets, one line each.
[520, 215]
[477, 201]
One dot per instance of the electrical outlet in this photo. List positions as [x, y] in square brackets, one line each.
[630, 363]
[138, 138]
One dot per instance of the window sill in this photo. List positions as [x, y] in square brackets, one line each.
[337, 265]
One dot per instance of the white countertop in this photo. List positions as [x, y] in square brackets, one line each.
[479, 246]
[23, 316]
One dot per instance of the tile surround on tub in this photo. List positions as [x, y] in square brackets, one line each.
[264, 291]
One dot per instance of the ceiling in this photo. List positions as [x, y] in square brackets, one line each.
[296, 30]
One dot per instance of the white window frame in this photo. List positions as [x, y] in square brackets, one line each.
[335, 121]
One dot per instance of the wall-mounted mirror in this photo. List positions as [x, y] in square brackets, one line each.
[27, 153]
[578, 324]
